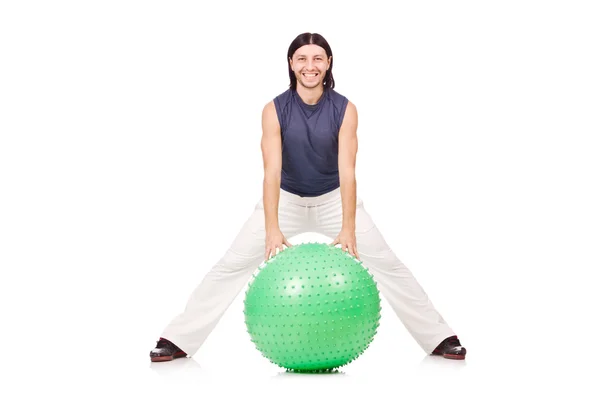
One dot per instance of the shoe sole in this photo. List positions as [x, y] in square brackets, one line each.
[159, 359]
[450, 356]
[454, 356]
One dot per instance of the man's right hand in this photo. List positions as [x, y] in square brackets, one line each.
[274, 241]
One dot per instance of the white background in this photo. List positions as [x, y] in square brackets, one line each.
[130, 157]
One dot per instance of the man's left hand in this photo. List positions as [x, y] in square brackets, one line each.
[347, 240]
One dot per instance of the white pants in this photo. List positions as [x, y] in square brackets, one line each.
[323, 215]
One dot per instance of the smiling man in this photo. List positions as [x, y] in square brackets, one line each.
[309, 148]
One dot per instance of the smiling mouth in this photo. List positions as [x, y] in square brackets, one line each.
[309, 74]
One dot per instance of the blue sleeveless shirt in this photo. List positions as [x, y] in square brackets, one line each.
[309, 138]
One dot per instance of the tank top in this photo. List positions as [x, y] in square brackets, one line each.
[309, 138]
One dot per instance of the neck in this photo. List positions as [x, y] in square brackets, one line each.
[310, 96]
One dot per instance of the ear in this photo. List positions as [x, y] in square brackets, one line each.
[290, 61]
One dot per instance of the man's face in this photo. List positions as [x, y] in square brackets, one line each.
[309, 64]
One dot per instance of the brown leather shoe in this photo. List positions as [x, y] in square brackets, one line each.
[450, 348]
[166, 351]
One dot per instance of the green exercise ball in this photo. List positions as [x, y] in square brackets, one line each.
[312, 308]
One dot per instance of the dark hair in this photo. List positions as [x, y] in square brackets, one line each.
[310, 38]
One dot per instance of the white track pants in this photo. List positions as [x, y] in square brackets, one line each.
[323, 214]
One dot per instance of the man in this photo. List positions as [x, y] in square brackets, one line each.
[309, 147]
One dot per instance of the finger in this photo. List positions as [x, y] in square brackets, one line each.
[356, 251]
[350, 250]
[335, 242]
[287, 243]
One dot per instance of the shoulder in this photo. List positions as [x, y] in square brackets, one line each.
[278, 101]
[343, 108]
[283, 98]
[281, 102]
[350, 114]
[339, 101]
[275, 110]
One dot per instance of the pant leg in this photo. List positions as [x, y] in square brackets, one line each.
[395, 281]
[225, 280]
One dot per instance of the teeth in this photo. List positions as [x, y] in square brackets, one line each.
[310, 74]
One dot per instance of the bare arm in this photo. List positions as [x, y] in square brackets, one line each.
[348, 147]
[271, 151]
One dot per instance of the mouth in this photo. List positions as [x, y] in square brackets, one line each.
[310, 75]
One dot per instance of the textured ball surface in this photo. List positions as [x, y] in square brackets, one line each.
[312, 308]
